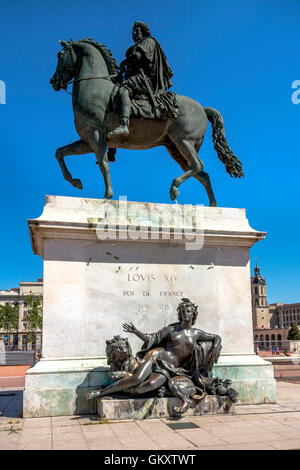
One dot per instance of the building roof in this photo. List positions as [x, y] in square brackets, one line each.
[289, 306]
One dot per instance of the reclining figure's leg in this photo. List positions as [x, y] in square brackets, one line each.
[142, 372]
[154, 382]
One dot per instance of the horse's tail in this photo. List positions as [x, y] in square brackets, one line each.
[232, 163]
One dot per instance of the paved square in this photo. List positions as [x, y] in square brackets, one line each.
[260, 427]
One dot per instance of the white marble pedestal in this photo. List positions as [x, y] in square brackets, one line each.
[110, 262]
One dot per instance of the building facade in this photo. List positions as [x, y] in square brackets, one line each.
[271, 322]
[17, 339]
[286, 314]
[260, 308]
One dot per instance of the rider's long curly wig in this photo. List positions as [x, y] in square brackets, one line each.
[144, 27]
[184, 303]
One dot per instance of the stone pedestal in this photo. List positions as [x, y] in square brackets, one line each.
[143, 408]
[110, 262]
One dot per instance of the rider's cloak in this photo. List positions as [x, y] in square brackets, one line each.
[151, 72]
[154, 64]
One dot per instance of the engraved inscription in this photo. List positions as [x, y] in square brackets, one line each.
[151, 277]
[171, 293]
[129, 293]
[171, 278]
[141, 277]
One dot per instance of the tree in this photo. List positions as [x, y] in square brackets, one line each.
[294, 333]
[9, 318]
[34, 316]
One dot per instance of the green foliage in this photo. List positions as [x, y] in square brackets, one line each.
[294, 333]
[9, 317]
[34, 316]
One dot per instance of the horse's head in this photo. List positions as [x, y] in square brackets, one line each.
[66, 66]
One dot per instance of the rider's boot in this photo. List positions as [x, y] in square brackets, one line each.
[125, 105]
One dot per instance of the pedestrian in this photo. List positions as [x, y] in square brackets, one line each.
[273, 351]
[38, 355]
[257, 350]
[277, 351]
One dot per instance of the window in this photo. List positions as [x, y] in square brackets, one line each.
[24, 342]
[25, 326]
[279, 340]
[25, 304]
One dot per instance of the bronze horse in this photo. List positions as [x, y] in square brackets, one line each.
[94, 70]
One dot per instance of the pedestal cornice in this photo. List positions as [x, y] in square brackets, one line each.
[67, 218]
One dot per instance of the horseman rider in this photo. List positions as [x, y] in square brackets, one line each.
[147, 74]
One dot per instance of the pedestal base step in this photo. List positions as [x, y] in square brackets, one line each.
[147, 408]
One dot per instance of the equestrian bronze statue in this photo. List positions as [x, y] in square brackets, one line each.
[131, 107]
[175, 361]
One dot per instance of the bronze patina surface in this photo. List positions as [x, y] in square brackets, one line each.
[175, 361]
[130, 107]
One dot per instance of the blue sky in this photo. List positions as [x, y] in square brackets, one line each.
[239, 57]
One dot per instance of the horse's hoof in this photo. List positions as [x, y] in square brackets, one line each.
[174, 193]
[76, 183]
[213, 204]
[108, 195]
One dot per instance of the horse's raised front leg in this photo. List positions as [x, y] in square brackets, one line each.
[97, 142]
[77, 148]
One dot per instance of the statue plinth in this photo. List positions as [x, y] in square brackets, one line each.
[110, 262]
[154, 408]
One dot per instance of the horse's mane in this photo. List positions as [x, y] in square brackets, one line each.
[106, 54]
